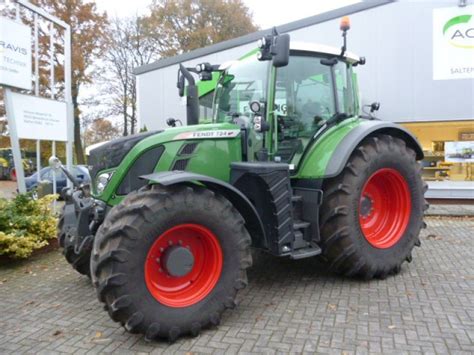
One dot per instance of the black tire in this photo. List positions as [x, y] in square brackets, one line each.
[344, 245]
[61, 234]
[129, 231]
[79, 262]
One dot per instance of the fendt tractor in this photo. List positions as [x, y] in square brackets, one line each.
[288, 165]
[7, 166]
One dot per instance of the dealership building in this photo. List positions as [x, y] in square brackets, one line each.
[420, 67]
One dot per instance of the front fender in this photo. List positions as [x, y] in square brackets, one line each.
[238, 199]
[327, 157]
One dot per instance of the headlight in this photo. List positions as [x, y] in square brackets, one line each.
[102, 181]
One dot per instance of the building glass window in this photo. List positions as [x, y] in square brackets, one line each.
[448, 148]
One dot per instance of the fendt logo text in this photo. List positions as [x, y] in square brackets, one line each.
[4, 46]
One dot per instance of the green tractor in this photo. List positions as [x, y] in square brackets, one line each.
[287, 165]
[7, 166]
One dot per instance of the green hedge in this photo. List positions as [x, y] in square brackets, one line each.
[25, 225]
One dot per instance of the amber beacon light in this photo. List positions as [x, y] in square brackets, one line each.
[345, 23]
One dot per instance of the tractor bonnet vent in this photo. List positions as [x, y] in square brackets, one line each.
[180, 164]
[145, 164]
[188, 148]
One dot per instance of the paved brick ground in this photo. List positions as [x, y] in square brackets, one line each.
[450, 210]
[289, 306]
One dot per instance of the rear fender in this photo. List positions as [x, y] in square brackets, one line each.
[238, 199]
[338, 158]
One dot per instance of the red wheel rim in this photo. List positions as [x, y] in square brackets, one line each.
[384, 208]
[189, 289]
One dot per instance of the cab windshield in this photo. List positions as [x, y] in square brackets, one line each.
[242, 83]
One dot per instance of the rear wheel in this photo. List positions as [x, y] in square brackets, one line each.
[168, 261]
[372, 212]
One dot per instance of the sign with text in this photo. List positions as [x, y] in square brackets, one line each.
[38, 118]
[15, 54]
[453, 43]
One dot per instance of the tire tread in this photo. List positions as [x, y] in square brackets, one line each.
[336, 237]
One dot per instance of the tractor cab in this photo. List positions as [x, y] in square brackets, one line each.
[284, 108]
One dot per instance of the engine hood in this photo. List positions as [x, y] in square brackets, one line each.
[204, 149]
[111, 154]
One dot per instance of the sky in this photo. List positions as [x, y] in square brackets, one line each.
[266, 14]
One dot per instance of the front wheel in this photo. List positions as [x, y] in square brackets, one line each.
[372, 212]
[79, 260]
[168, 261]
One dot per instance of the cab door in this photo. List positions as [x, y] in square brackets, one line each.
[304, 100]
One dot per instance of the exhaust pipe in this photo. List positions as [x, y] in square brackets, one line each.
[192, 96]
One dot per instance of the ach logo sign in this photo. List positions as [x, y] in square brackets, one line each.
[459, 31]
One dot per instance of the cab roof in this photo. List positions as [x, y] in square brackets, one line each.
[323, 49]
[300, 46]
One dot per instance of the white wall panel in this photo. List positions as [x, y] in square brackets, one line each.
[396, 39]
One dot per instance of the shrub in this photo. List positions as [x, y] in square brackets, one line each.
[25, 225]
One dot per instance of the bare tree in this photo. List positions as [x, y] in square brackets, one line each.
[130, 47]
[173, 27]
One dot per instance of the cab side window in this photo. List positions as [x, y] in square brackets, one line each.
[345, 93]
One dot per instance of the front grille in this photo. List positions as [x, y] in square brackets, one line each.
[180, 164]
[109, 155]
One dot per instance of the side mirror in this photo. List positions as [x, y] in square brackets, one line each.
[171, 122]
[54, 163]
[275, 47]
[281, 51]
[374, 106]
